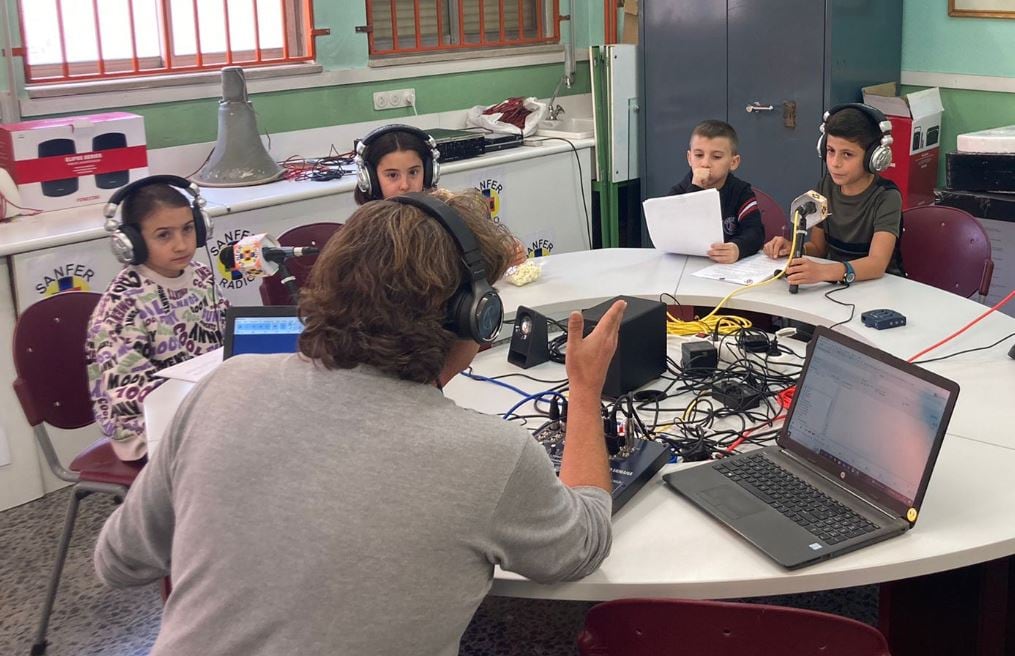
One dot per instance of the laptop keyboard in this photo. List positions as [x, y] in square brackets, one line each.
[815, 511]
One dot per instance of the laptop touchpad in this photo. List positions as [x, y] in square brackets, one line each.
[732, 502]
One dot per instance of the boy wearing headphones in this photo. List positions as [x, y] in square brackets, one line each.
[387, 505]
[161, 309]
[862, 230]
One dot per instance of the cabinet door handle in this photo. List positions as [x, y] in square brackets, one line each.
[758, 107]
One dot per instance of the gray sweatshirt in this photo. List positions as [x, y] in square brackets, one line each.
[308, 511]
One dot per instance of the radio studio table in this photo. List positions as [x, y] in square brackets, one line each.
[662, 546]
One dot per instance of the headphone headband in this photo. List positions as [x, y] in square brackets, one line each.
[475, 310]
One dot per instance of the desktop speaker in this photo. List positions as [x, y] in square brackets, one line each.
[528, 340]
[54, 148]
[641, 345]
[109, 141]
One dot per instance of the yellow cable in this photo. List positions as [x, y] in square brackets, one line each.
[782, 272]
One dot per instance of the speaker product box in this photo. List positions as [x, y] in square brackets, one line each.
[916, 136]
[74, 160]
[641, 345]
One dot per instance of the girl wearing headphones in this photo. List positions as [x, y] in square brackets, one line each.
[399, 159]
[161, 309]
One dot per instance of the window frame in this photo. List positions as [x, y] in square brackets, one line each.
[451, 40]
[300, 33]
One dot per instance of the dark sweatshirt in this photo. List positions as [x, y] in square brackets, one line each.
[741, 223]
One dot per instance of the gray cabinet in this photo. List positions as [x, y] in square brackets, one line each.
[712, 59]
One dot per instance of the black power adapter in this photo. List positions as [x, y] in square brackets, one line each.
[698, 358]
[754, 341]
[735, 395]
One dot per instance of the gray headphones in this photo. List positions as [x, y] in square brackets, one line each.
[879, 154]
[366, 172]
[125, 239]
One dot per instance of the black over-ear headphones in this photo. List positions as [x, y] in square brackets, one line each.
[126, 240]
[475, 311]
[879, 154]
[366, 173]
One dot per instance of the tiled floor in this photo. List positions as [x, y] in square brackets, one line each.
[91, 619]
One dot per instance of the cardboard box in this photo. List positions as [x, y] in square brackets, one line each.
[916, 134]
[75, 160]
[630, 28]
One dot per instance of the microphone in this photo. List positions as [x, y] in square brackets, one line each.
[260, 255]
[809, 206]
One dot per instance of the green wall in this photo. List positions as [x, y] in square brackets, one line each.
[933, 41]
[195, 121]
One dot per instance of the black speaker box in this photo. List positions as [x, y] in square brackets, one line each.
[528, 340]
[53, 148]
[641, 345]
[109, 141]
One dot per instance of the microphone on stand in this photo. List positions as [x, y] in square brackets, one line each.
[809, 206]
[260, 255]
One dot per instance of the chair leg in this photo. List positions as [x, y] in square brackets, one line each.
[39, 647]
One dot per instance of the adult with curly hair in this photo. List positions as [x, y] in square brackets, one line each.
[334, 501]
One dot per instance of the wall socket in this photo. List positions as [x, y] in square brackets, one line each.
[394, 99]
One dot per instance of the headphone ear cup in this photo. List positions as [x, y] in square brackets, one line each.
[435, 171]
[880, 157]
[202, 225]
[460, 315]
[138, 252]
[362, 175]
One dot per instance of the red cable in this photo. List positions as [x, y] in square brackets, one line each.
[785, 397]
[965, 327]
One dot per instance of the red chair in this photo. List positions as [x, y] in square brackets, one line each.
[717, 628]
[273, 292]
[50, 336]
[772, 216]
[947, 248]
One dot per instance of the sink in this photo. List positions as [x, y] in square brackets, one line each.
[568, 128]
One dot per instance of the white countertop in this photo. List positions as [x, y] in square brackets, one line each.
[58, 228]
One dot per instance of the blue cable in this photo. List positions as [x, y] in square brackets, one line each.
[495, 382]
[531, 397]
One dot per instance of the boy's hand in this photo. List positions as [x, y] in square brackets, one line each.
[802, 271]
[588, 358]
[778, 247]
[699, 177]
[724, 253]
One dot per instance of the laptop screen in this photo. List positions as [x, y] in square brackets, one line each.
[261, 330]
[869, 419]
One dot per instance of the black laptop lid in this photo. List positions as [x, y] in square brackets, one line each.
[256, 329]
[870, 420]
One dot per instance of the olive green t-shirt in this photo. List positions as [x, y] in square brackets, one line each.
[853, 220]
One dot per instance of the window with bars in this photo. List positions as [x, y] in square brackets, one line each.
[396, 27]
[80, 40]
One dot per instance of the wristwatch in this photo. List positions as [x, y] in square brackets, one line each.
[849, 275]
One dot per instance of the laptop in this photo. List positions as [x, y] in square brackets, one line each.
[858, 448]
[261, 329]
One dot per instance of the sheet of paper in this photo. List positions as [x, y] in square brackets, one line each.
[194, 369]
[686, 224]
[743, 272]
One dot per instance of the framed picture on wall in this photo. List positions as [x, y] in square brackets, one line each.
[982, 8]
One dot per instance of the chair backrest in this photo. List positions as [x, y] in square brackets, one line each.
[273, 292]
[772, 216]
[947, 248]
[49, 360]
[718, 628]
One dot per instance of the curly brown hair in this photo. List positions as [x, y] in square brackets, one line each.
[379, 290]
